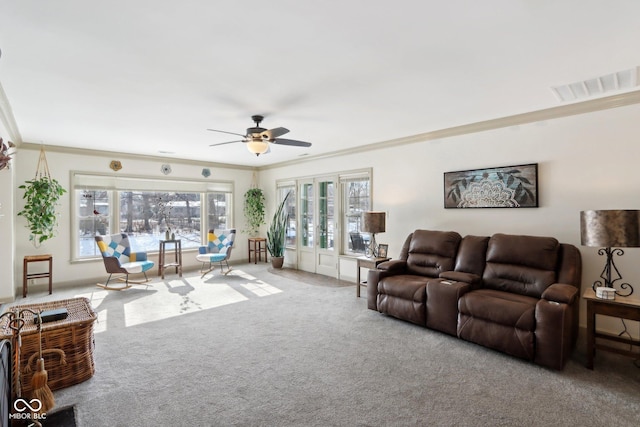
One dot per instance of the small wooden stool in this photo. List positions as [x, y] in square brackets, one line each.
[257, 246]
[26, 275]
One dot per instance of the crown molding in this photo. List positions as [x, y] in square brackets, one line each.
[131, 156]
[577, 108]
[574, 109]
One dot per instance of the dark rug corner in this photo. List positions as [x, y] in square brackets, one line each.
[64, 417]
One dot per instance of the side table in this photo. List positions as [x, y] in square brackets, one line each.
[177, 251]
[45, 274]
[257, 246]
[369, 263]
[623, 307]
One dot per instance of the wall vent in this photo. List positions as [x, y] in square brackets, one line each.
[621, 80]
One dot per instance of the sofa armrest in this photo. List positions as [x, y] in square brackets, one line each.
[556, 325]
[459, 276]
[561, 293]
[373, 278]
[384, 269]
[394, 266]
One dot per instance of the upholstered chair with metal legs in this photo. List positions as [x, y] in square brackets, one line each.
[118, 259]
[218, 249]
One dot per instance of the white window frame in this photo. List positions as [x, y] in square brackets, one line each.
[114, 184]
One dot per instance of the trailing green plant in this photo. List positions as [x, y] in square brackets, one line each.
[277, 232]
[254, 210]
[41, 196]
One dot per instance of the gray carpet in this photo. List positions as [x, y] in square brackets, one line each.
[282, 352]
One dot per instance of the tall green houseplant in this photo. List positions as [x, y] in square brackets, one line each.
[254, 210]
[277, 232]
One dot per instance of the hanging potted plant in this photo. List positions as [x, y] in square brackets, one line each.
[41, 196]
[277, 234]
[254, 210]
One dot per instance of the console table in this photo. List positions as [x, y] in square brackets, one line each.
[177, 252]
[622, 307]
[370, 263]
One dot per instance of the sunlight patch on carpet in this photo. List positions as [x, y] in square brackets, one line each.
[261, 288]
[244, 275]
[173, 297]
[177, 297]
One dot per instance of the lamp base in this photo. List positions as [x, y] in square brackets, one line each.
[372, 249]
[610, 268]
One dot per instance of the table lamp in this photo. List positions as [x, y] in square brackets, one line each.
[610, 230]
[373, 222]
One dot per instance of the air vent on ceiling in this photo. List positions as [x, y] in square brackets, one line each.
[621, 80]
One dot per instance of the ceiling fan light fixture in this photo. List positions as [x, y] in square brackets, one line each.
[259, 139]
[257, 147]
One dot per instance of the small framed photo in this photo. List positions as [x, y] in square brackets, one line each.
[382, 250]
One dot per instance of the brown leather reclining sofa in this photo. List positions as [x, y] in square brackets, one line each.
[516, 294]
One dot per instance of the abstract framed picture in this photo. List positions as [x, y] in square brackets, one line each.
[502, 187]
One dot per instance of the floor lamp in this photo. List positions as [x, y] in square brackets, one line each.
[610, 230]
[373, 222]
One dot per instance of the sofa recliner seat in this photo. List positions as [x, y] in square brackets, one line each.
[515, 294]
[425, 255]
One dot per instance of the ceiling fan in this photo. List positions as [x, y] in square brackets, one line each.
[258, 139]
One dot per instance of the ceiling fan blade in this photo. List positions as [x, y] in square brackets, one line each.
[228, 142]
[293, 142]
[230, 133]
[274, 133]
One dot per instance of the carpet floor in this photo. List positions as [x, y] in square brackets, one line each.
[276, 348]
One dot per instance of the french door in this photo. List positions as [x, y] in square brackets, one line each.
[318, 249]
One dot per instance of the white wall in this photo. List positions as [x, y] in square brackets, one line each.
[585, 162]
[61, 162]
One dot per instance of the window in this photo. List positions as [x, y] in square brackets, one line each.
[94, 218]
[146, 217]
[145, 214]
[357, 199]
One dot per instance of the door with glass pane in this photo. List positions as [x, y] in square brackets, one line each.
[317, 249]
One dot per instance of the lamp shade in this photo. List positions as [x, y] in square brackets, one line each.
[373, 222]
[610, 228]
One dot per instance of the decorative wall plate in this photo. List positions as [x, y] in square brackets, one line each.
[115, 165]
[166, 169]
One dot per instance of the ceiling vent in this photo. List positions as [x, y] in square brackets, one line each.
[621, 80]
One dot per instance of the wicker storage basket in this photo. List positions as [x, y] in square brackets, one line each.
[67, 345]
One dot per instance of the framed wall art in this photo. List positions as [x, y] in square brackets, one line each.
[502, 187]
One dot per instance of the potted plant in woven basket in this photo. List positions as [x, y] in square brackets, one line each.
[277, 235]
[41, 195]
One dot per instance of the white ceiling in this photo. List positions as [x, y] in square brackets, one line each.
[148, 76]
